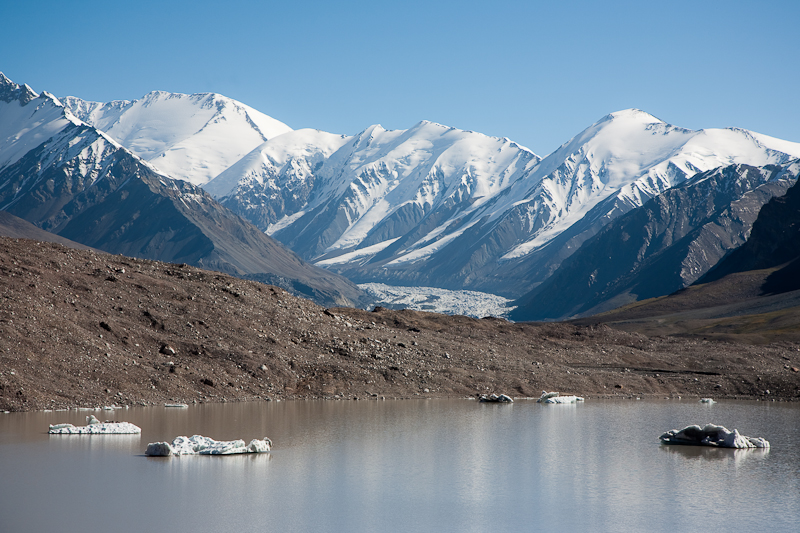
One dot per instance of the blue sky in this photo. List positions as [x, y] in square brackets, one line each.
[535, 72]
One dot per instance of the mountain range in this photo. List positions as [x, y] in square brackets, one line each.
[70, 178]
[441, 207]
[629, 208]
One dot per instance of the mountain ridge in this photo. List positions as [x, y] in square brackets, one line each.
[341, 205]
[661, 247]
[82, 185]
[190, 137]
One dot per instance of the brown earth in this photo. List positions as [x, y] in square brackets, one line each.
[83, 328]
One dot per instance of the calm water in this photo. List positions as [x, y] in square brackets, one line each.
[414, 465]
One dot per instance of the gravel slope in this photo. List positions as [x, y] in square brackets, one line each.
[83, 328]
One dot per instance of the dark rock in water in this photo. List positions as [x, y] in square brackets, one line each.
[494, 398]
[712, 435]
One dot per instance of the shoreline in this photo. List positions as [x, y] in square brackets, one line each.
[642, 398]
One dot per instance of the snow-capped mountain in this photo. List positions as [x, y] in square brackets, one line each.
[428, 206]
[442, 207]
[661, 247]
[325, 195]
[190, 137]
[71, 179]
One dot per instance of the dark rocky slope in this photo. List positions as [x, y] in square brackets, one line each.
[661, 247]
[773, 243]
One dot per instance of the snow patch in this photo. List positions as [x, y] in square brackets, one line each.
[356, 256]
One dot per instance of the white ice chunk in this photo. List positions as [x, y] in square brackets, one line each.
[554, 397]
[199, 445]
[712, 435]
[95, 427]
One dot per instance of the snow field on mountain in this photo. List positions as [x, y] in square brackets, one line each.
[352, 257]
[429, 245]
[379, 180]
[425, 166]
[292, 155]
[190, 137]
[460, 203]
[23, 128]
[636, 156]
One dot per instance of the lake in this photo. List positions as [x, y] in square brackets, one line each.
[407, 465]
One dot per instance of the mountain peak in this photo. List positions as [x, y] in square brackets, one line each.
[11, 91]
[193, 137]
[633, 114]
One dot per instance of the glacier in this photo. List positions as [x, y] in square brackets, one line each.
[468, 303]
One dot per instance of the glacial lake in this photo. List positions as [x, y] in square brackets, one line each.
[410, 465]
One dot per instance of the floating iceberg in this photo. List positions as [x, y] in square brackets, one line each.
[553, 397]
[494, 398]
[178, 405]
[707, 400]
[95, 427]
[199, 445]
[712, 435]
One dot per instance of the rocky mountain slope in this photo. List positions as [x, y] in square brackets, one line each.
[732, 309]
[71, 179]
[663, 246]
[17, 228]
[752, 294]
[774, 243]
[442, 207]
[86, 329]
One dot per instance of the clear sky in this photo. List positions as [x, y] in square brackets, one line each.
[536, 72]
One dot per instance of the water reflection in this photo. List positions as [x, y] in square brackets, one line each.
[95, 443]
[707, 453]
[406, 466]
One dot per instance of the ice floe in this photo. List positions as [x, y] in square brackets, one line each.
[199, 445]
[95, 427]
[494, 398]
[707, 400]
[712, 435]
[554, 397]
[178, 405]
